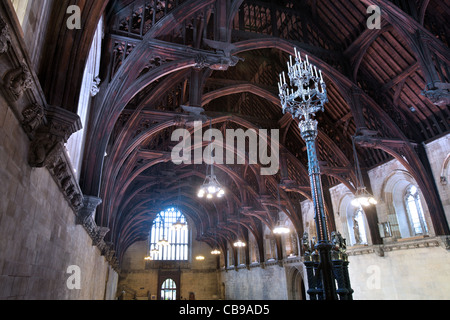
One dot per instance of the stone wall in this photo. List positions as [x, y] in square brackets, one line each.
[139, 279]
[39, 236]
[39, 239]
[408, 270]
[439, 156]
[256, 283]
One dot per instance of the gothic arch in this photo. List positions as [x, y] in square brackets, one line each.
[295, 277]
[392, 194]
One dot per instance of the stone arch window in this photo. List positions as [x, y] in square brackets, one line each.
[169, 290]
[230, 256]
[289, 242]
[353, 222]
[253, 249]
[177, 248]
[414, 209]
[407, 215]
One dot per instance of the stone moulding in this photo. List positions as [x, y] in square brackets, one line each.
[404, 244]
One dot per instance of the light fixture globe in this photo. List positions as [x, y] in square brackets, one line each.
[178, 226]
[281, 229]
[240, 244]
[211, 188]
[363, 199]
[163, 243]
[216, 252]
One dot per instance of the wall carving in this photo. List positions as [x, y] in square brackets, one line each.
[17, 81]
[5, 38]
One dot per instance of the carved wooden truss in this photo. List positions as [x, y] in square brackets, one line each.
[225, 56]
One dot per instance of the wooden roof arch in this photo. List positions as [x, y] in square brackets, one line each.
[161, 54]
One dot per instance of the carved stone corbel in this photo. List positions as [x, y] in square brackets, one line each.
[440, 95]
[33, 118]
[87, 211]
[48, 143]
[5, 37]
[100, 235]
[17, 81]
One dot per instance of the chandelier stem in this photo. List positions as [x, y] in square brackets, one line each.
[309, 132]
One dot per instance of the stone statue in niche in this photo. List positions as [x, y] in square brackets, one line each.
[17, 81]
[356, 231]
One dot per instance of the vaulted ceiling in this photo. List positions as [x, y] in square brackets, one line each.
[225, 56]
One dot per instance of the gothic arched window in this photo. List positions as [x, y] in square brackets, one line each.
[176, 244]
[415, 211]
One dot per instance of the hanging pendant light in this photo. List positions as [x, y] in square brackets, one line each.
[179, 225]
[163, 242]
[216, 250]
[239, 243]
[362, 197]
[280, 228]
[149, 257]
[211, 187]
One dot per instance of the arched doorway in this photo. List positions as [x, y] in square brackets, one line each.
[169, 290]
[296, 285]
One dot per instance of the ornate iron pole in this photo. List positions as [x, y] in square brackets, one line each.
[304, 102]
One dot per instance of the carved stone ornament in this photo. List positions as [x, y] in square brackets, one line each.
[95, 86]
[44, 149]
[33, 118]
[88, 209]
[201, 62]
[49, 139]
[17, 81]
[439, 96]
[100, 234]
[5, 37]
